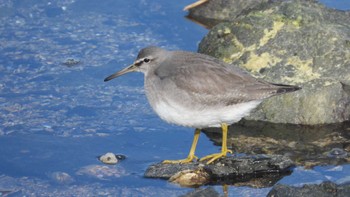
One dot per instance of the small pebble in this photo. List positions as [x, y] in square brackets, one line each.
[71, 62]
[337, 153]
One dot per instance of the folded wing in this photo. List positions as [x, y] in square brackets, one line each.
[212, 81]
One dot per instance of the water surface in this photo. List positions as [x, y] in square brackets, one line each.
[57, 115]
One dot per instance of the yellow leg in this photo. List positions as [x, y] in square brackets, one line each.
[191, 155]
[224, 149]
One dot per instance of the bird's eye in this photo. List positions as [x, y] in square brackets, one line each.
[146, 60]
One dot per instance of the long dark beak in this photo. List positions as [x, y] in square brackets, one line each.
[128, 69]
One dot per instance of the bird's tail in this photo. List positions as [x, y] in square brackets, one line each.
[282, 89]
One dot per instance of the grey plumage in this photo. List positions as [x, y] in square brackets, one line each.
[210, 79]
[198, 81]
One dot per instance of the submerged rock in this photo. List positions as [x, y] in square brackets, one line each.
[70, 62]
[61, 177]
[290, 42]
[326, 189]
[230, 170]
[102, 172]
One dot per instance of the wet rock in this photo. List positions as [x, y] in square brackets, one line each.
[191, 178]
[291, 42]
[306, 146]
[230, 170]
[325, 189]
[165, 171]
[337, 153]
[70, 62]
[111, 158]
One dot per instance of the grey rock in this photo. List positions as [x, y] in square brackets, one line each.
[321, 101]
[325, 189]
[165, 171]
[291, 42]
[70, 62]
[337, 153]
[214, 12]
[231, 170]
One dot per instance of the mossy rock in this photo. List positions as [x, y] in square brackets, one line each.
[291, 42]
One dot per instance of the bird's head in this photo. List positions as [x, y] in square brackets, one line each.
[147, 59]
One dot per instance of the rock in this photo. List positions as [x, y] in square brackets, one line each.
[325, 189]
[213, 12]
[337, 153]
[191, 178]
[291, 42]
[111, 158]
[165, 171]
[321, 101]
[70, 62]
[230, 170]
[306, 146]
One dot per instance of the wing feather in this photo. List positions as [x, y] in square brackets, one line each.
[213, 81]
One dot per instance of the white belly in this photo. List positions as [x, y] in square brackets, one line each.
[203, 118]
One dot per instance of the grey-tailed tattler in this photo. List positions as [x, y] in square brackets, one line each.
[199, 91]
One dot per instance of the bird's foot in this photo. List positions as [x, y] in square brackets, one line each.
[189, 159]
[215, 156]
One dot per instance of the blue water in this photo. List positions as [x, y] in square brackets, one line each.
[58, 118]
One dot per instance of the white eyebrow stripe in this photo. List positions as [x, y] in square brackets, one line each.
[138, 62]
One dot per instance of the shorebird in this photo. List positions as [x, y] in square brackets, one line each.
[199, 91]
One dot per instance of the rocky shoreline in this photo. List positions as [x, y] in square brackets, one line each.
[297, 42]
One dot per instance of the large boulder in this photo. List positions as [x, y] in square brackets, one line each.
[212, 12]
[320, 101]
[290, 42]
